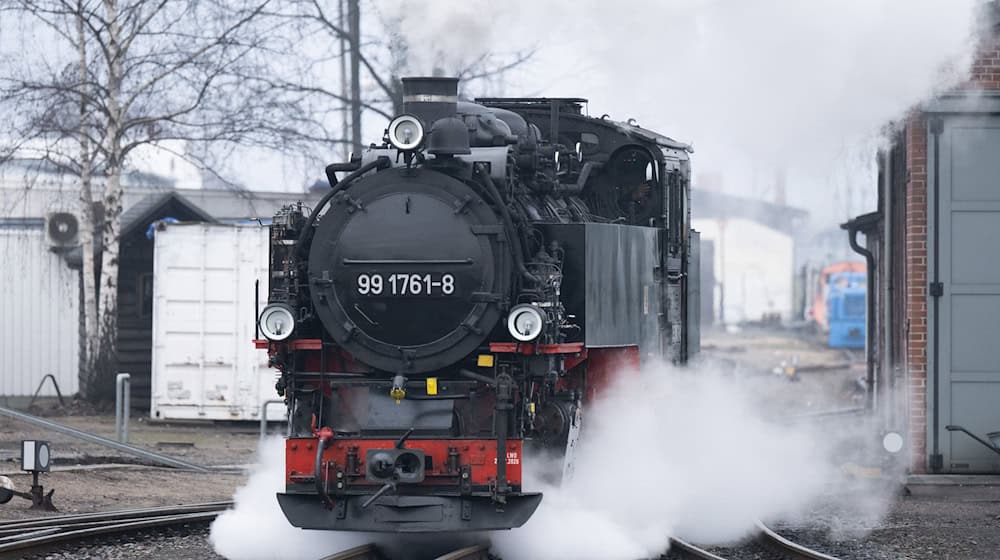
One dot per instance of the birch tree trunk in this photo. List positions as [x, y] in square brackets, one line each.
[107, 352]
[90, 335]
[150, 71]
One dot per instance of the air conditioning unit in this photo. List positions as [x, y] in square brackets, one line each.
[63, 229]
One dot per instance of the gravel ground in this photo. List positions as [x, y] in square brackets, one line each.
[752, 356]
[185, 542]
[200, 443]
[82, 491]
[940, 522]
[89, 477]
[751, 550]
[933, 522]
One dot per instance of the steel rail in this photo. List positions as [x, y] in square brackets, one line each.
[793, 551]
[688, 550]
[97, 517]
[45, 532]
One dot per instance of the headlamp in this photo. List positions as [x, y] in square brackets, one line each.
[277, 321]
[405, 133]
[525, 322]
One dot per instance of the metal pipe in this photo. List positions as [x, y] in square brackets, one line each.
[504, 404]
[263, 415]
[477, 376]
[334, 168]
[869, 316]
[382, 161]
[886, 293]
[126, 409]
[514, 238]
[936, 460]
[85, 436]
[992, 447]
[321, 445]
[122, 405]
[256, 309]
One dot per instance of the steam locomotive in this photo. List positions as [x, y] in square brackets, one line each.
[459, 296]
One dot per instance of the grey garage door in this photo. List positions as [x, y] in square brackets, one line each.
[968, 304]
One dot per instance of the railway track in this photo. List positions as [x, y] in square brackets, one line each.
[789, 549]
[23, 536]
[681, 550]
[20, 537]
[768, 545]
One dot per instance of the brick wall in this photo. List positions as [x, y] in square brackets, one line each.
[916, 285]
[985, 70]
[984, 74]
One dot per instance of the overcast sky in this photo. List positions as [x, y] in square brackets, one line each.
[757, 86]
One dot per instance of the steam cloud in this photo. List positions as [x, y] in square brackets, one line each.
[255, 529]
[755, 84]
[665, 452]
[673, 452]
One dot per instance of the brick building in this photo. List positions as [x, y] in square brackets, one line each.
[935, 303]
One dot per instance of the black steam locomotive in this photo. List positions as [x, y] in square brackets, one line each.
[460, 295]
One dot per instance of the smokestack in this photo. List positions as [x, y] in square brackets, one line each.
[779, 185]
[430, 98]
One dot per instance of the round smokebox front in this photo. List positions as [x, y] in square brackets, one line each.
[406, 270]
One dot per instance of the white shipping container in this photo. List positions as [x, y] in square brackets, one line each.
[205, 365]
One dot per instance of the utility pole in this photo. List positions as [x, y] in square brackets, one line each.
[345, 120]
[354, 15]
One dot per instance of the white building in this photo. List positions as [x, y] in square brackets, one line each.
[753, 269]
[754, 255]
[40, 319]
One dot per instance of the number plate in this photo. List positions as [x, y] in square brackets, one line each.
[405, 284]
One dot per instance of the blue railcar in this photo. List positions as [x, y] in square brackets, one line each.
[846, 302]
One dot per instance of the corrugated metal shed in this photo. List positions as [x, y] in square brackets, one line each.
[38, 311]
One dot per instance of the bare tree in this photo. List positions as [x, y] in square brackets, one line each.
[215, 74]
[378, 59]
[145, 72]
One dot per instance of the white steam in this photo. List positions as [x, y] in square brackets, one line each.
[255, 529]
[756, 85]
[665, 452]
[671, 452]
